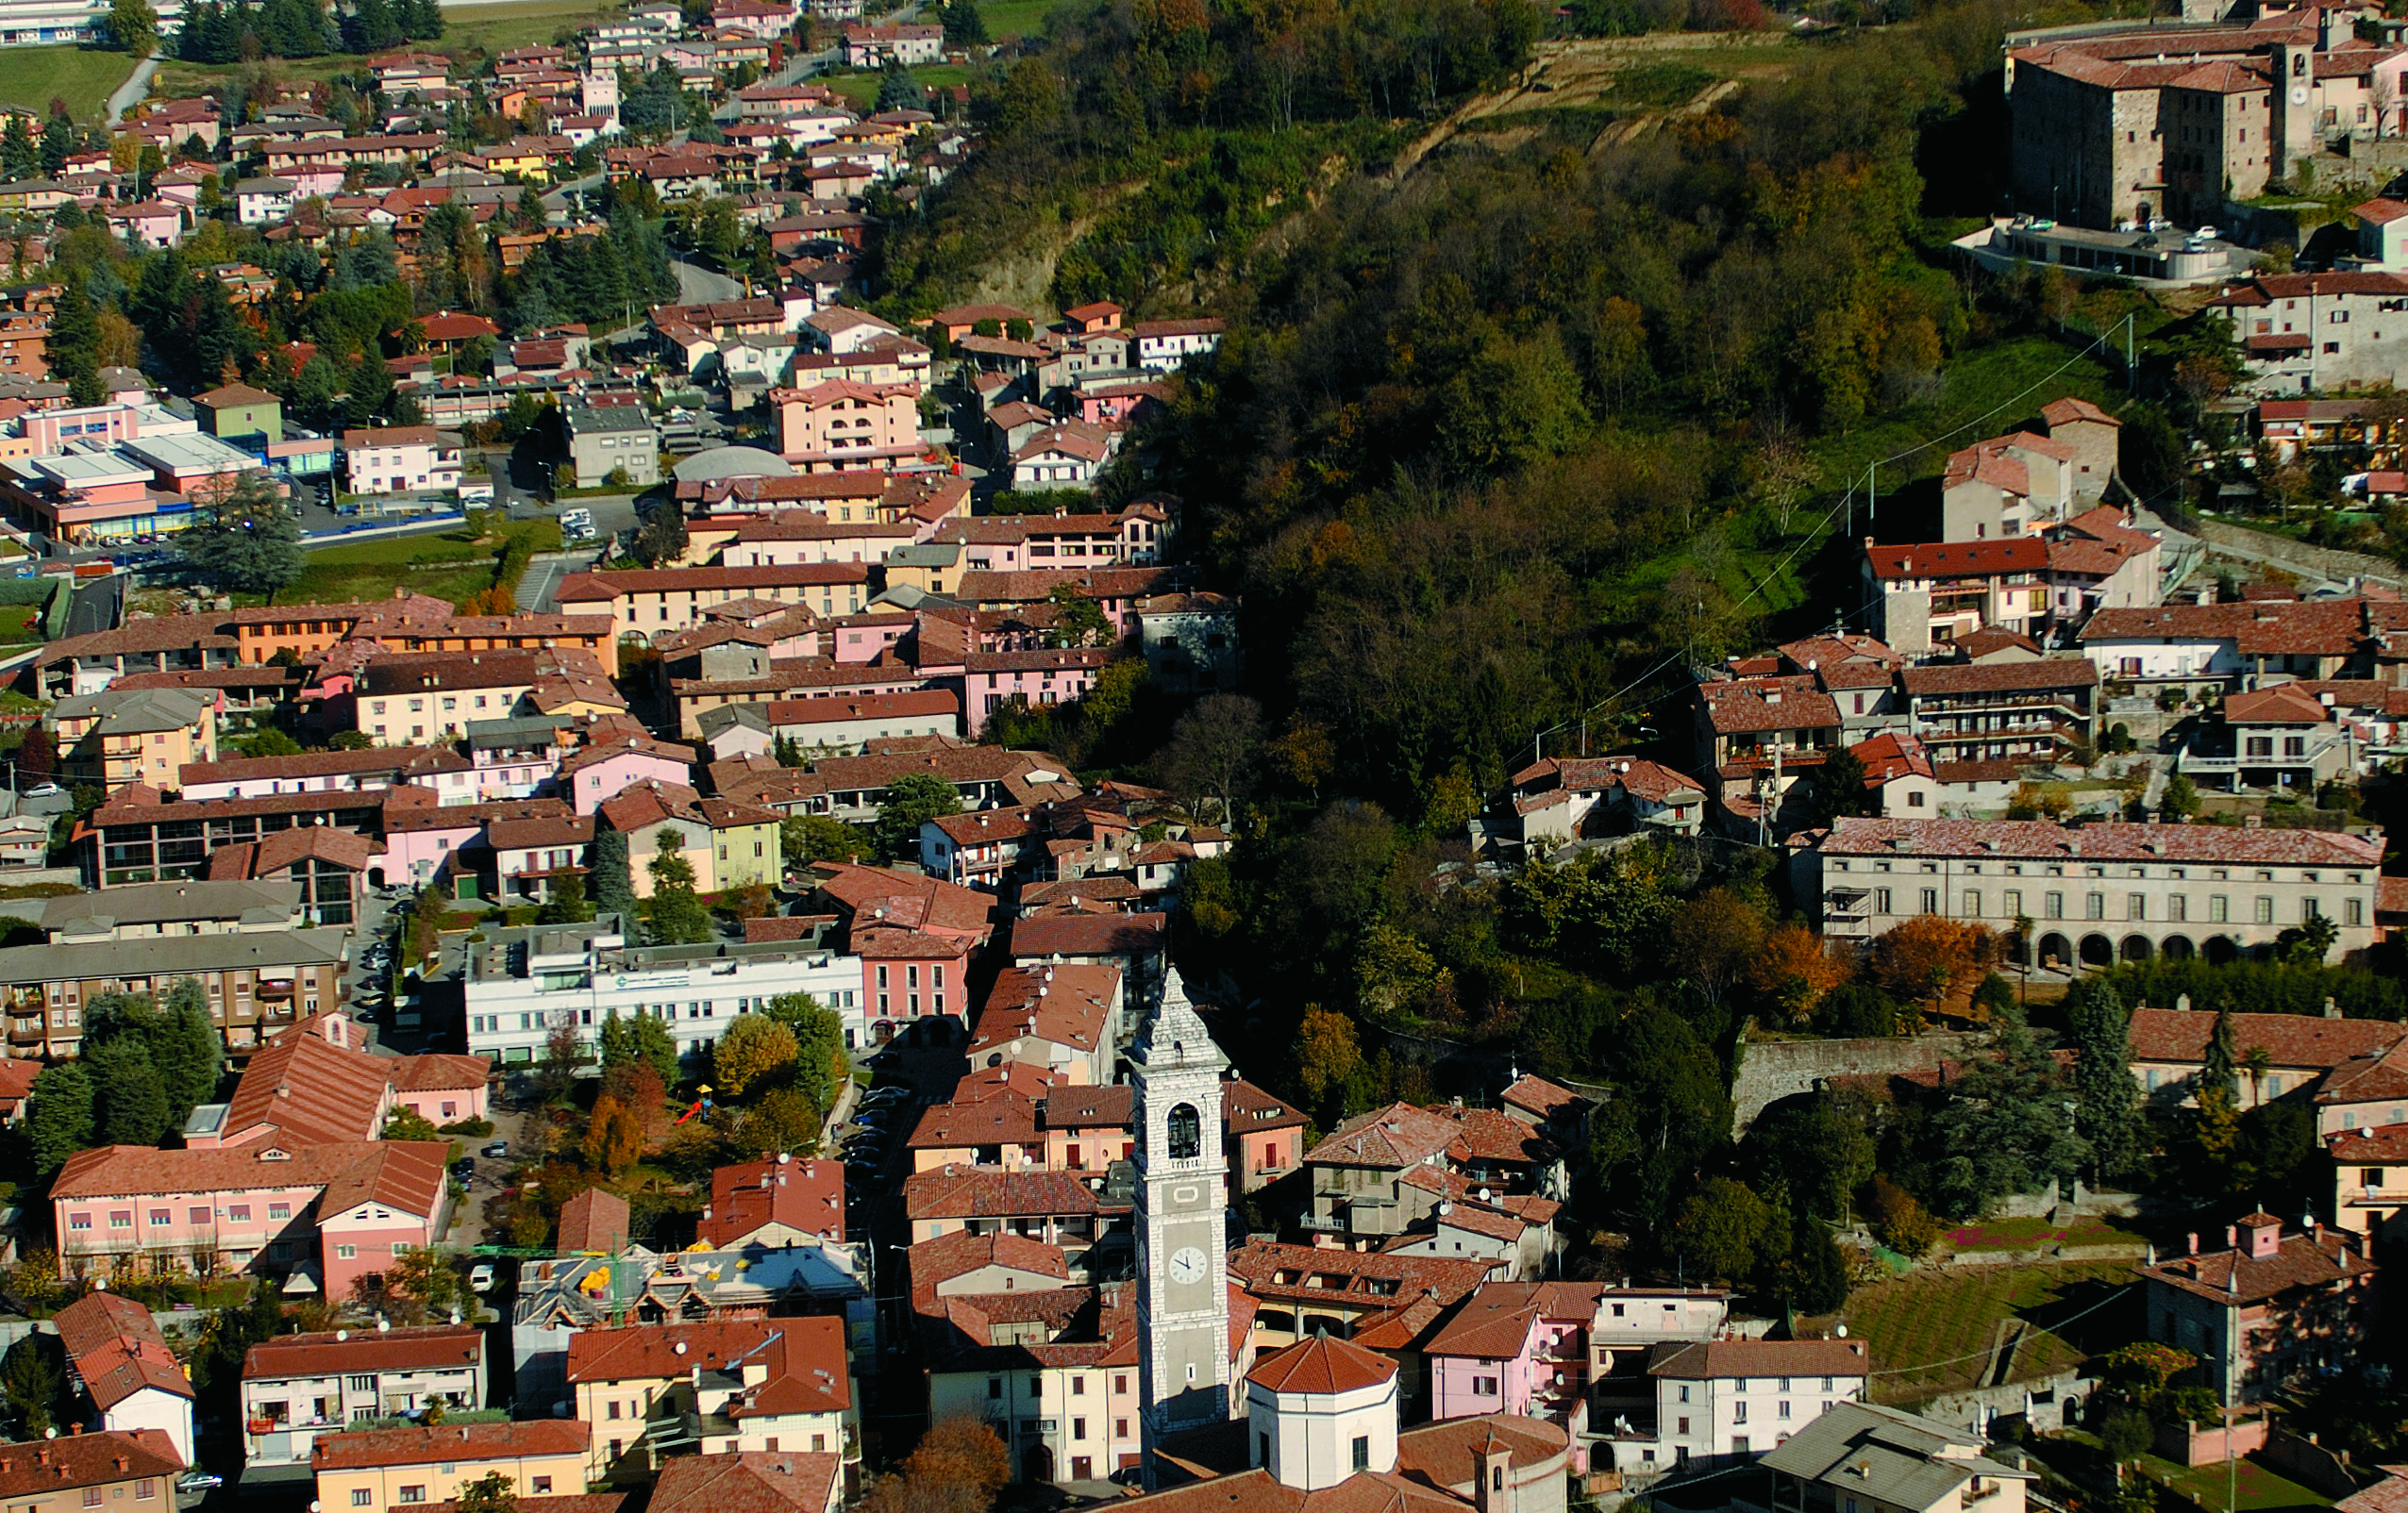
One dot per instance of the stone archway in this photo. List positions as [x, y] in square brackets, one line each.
[2056, 952]
[2177, 948]
[2135, 948]
[2098, 950]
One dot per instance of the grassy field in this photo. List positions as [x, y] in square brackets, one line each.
[1007, 19]
[84, 77]
[862, 88]
[2027, 1234]
[448, 565]
[490, 29]
[1931, 1333]
[178, 80]
[2259, 1486]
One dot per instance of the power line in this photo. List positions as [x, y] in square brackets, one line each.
[1847, 502]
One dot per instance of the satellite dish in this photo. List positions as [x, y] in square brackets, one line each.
[1840, 1333]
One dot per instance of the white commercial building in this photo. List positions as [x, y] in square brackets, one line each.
[522, 982]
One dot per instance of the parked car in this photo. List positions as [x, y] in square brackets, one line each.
[199, 1481]
[481, 1278]
[43, 791]
[498, 1150]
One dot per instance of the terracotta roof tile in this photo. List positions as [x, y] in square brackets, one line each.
[118, 1350]
[1323, 1365]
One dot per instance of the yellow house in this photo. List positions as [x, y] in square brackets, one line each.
[123, 735]
[379, 1469]
[744, 844]
[762, 1385]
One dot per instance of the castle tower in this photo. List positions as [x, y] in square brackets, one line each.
[1182, 1226]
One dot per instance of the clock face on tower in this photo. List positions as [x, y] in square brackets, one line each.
[1187, 1265]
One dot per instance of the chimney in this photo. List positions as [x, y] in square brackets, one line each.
[2231, 1237]
[2190, 1245]
[2265, 1236]
[2332, 1009]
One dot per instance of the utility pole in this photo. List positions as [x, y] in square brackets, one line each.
[2131, 370]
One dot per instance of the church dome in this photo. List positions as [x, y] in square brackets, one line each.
[1323, 1366]
[1321, 1411]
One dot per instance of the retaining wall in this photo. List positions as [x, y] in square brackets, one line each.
[1773, 1070]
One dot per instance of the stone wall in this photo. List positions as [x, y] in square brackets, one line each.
[2050, 1403]
[2224, 538]
[1773, 1070]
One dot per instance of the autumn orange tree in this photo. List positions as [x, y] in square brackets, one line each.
[1792, 971]
[1925, 956]
[1327, 1053]
[959, 1468]
[613, 1137]
[1711, 938]
[493, 600]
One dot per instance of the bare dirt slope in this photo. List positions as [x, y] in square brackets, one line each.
[1588, 72]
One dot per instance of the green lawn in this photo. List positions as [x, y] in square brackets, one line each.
[1932, 1332]
[2212, 1487]
[447, 565]
[862, 88]
[1007, 19]
[82, 76]
[490, 29]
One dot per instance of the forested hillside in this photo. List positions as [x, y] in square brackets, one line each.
[1497, 444]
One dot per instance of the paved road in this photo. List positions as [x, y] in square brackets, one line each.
[542, 577]
[130, 93]
[698, 285]
[98, 605]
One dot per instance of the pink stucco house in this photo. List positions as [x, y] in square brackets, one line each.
[442, 1090]
[1537, 1348]
[592, 776]
[343, 1210]
[1036, 677]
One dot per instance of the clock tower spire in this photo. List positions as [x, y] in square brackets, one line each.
[1183, 1222]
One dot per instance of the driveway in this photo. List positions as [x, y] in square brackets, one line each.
[698, 285]
[129, 94]
[97, 605]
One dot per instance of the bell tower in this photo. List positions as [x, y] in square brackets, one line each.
[1183, 1222]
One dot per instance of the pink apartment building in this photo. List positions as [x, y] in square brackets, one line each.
[841, 424]
[596, 775]
[343, 1209]
[1562, 1351]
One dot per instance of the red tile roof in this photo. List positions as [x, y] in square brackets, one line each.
[1388, 1139]
[49, 1466]
[1999, 677]
[1323, 1365]
[405, 1174]
[1088, 935]
[118, 1350]
[332, 1351]
[2234, 1276]
[937, 1262]
[748, 1197]
[1762, 1357]
[1959, 560]
[461, 1442]
[749, 1481]
[594, 1219]
[2115, 841]
[2180, 1036]
[957, 1192]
